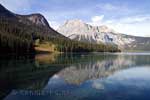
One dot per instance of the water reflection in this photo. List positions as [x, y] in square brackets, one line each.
[46, 58]
[78, 76]
[94, 69]
[106, 77]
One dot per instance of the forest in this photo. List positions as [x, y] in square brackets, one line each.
[19, 38]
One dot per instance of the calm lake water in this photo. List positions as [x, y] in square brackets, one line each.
[94, 76]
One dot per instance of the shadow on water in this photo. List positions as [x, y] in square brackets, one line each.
[26, 72]
[67, 71]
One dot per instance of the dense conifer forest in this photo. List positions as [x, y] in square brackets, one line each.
[17, 37]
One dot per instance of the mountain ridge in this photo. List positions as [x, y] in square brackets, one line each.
[22, 34]
[35, 18]
[80, 31]
[19, 32]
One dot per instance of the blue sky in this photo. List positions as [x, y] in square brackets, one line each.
[125, 16]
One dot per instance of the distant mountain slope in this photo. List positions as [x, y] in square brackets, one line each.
[78, 30]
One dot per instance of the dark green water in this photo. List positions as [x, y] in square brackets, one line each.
[98, 76]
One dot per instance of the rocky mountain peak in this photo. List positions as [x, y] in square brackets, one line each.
[74, 21]
[38, 19]
[80, 31]
[32, 20]
[79, 27]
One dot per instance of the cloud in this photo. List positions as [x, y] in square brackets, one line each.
[135, 19]
[116, 9]
[54, 24]
[16, 5]
[97, 85]
[132, 25]
[113, 7]
[97, 18]
[109, 7]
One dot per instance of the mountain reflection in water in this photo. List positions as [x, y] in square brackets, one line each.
[83, 76]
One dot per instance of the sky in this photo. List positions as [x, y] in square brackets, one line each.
[125, 16]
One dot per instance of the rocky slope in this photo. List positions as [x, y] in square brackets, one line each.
[78, 30]
[37, 19]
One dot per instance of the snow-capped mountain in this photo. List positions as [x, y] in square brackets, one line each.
[78, 30]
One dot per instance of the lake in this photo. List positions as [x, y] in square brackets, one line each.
[86, 76]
